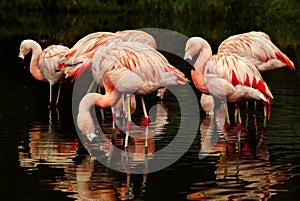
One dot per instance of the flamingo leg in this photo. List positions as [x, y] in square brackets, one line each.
[239, 141]
[227, 125]
[265, 118]
[102, 114]
[113, 117]
[239, 118]
[265, 111]
[57, 113]
[236, 113]
[128, 124]
[90, 87]
[227, 154]
[124, 113]
[247, 117]
[101, 109]
[50, 97]
[146, 121]
[58, 94]
[255, 123]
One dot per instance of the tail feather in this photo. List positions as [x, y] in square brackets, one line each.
[80, 70]
[181, 77]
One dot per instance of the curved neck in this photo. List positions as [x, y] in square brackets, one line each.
[102, 101]
[205, 54]
[198, 80]
[34, 63]
[202, 47]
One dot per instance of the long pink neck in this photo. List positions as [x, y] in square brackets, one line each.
[204, 55]
[102, 101]
[34, 63]
[198, 78]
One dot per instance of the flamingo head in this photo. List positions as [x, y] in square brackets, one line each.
[194, 46]
[85, 124]
[25, 48]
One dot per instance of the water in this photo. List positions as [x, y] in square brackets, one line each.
[43, 158]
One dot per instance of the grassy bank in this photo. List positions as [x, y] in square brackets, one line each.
[69, 20]
[224, 9]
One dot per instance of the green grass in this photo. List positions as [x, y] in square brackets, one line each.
[68, 20]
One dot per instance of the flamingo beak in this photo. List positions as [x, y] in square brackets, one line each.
[187, 55]
[21, 55]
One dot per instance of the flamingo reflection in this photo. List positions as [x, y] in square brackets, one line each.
[93, 181]
[47, 146]
[243, 170]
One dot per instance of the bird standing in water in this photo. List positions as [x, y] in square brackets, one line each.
[256, 47]
[127, 68]
[226, 75]
[44, 63]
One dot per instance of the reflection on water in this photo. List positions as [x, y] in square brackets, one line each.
[83, 177]
[48, 146]
[243, 170]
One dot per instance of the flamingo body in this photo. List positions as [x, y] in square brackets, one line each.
[80, 56]
[44, 63]
[225, 75]
[258, 48]
[126, 68]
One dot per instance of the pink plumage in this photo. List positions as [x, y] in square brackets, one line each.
[79, 58]
[44, 64]
[258, 48]
[225, 75]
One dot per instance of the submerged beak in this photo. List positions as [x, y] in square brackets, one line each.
[91, 136]
[187, 55]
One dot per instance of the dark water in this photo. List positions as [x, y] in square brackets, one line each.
[42, 157]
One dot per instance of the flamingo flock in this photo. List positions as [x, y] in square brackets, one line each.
[127, 63]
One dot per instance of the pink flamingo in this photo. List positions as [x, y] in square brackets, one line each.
[226, 75]
[79, 57]
[44, 63]
[127, 68]
[256, 47]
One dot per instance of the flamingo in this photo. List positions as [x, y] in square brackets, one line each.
[226, 75]
[79, 57]
[127, 68]
[44, 63]
[256, 47]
